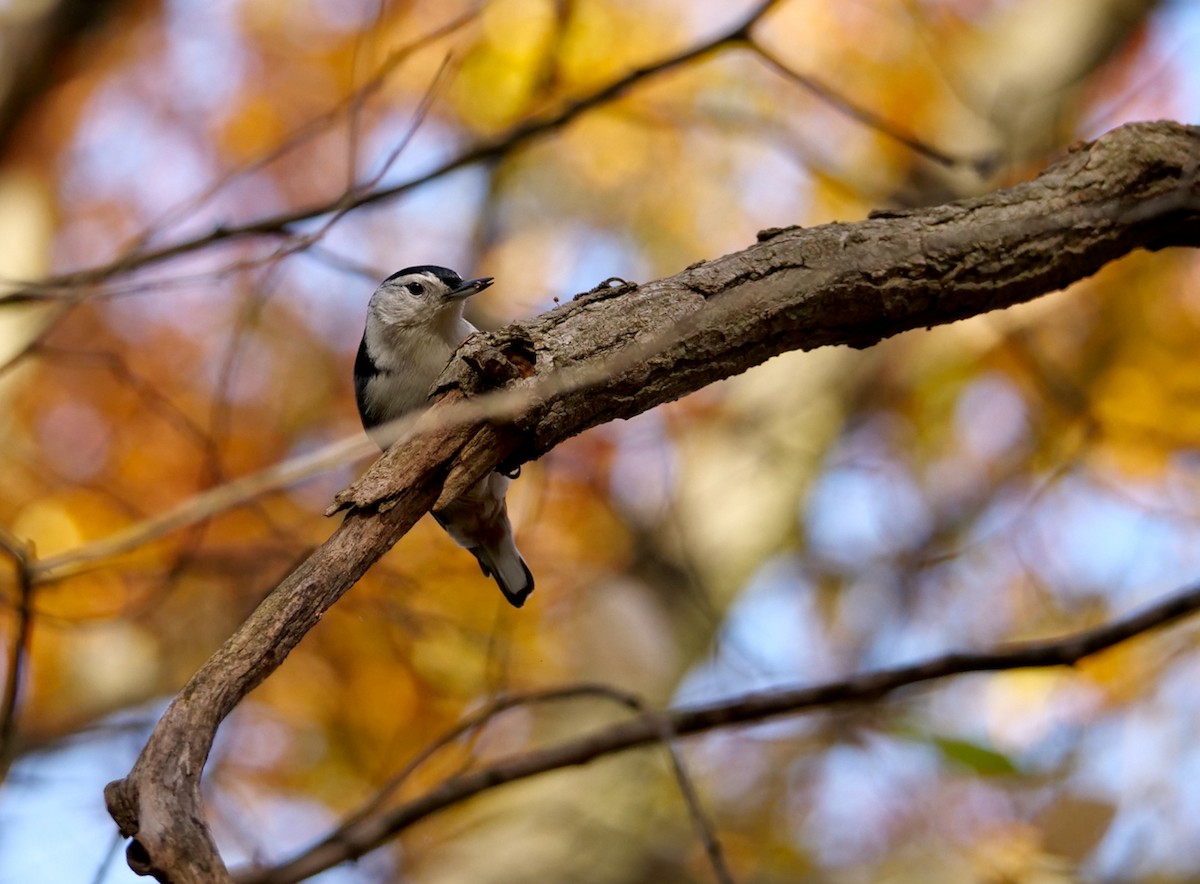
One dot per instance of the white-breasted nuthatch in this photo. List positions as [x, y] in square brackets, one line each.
[414, 323]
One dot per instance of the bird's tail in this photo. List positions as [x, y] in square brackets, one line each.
[478, 520]
[503, 563]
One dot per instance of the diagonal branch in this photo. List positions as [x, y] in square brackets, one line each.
[795, 289]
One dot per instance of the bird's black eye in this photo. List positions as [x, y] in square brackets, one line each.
[416, 288]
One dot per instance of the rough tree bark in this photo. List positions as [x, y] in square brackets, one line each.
[632, 347]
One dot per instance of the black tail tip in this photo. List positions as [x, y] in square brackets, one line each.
[517, 598]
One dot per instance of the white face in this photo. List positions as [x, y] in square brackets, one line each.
[418, 299]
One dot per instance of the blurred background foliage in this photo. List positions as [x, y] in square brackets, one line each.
[1017, 475]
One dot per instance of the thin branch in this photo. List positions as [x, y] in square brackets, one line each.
[147, 391]
[63, 288]
[201, 507]
[18, 652]
[37, 338]
[354, 117]
[349, 107]
[469, 725]
[349, 200]
[704, 827]
[855, 112]
[106, 863]
[282, 224]
[369, 833]
[331, 848]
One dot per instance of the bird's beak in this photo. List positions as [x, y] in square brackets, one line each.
[469, 288]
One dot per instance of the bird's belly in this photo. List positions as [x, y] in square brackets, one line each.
[398, 396]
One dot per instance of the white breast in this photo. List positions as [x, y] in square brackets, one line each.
[410, 361]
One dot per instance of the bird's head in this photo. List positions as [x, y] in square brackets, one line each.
[421, 296]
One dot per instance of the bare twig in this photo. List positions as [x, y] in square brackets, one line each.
[114, 849]
[201, 507]
[349, 200]
[855, 112]
[349, 107]
[705, 829]
[22, 555]
[283, 224]
[333, 845]
[370, 832]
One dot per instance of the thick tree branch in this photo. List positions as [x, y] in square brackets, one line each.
[795, 289]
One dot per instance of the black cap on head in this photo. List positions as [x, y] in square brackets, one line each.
[445, 274]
